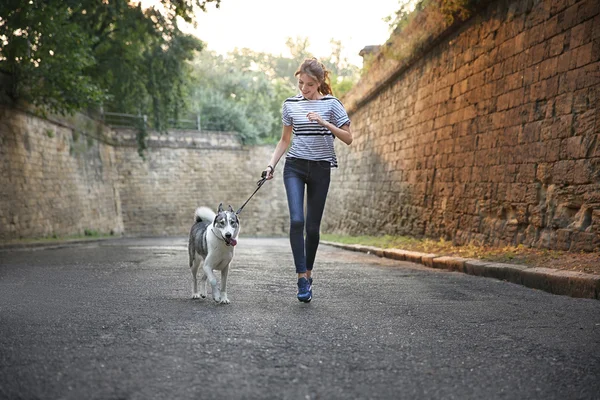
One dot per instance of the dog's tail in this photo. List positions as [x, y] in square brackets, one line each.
[205, 214]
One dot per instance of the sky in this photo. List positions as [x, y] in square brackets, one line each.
[265, 25]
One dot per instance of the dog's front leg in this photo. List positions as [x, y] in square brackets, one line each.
[195, 264]
[224, 272]
[212, 279]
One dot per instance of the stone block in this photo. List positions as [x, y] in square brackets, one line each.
[585, 124]
[563, 239]
[537, 278]
[583, 241]
[574, 284]
[395, 254]
[427, 260]
[449, 263]
[368, 249]
[475, 267]
[596, 27]
[582, 172]
[549, 68]
[414, 256]
[504, 271]
[569, 18]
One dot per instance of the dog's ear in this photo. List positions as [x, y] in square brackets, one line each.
[220, 207]
[230, 208]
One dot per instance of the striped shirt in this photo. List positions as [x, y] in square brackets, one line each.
[310, 140]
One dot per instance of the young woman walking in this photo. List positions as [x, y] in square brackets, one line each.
[311, 121]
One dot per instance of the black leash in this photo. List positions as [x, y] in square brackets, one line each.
[259, 184]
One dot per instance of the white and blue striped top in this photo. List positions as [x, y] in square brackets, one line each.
[312, 141]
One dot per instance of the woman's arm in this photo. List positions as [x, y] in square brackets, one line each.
[343, 133]
[282, 145]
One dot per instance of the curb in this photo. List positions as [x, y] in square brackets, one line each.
[567, 283]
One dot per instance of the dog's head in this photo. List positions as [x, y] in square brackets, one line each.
[227, 224]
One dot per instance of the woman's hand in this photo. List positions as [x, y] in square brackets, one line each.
[314, 117]
[268, 172]
[343, 133]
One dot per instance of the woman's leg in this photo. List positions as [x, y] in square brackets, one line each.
[294, 182]
[317, 188]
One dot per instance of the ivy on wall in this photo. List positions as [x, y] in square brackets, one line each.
[413, 28]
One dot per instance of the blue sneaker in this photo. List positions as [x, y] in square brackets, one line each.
[304, 290]
[310, 286]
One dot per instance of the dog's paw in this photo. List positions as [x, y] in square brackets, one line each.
[216, 295]
[224, 299]
[195, 296]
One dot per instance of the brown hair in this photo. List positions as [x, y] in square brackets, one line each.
[316, 70]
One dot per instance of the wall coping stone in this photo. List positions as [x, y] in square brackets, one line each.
[385, 70]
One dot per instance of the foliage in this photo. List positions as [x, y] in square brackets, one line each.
[455, 9]
[343, 74]
[45, 51]
[76, 55]
[141, 59]
[186, 8]
[231, 95]
[416, 23]
[449, 9]
[66, 56]
[244, 91]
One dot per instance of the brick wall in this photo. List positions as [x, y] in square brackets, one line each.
[187, 170]
[491, 135]
[55, 177]
[63, 176]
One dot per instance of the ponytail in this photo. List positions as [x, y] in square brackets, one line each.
[325, 87]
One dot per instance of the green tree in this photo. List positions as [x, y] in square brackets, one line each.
[69, 55]
[343, 74]
[244, 91]
[234, 93]
[45, 52]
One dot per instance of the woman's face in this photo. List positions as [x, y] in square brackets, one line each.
[308, 86]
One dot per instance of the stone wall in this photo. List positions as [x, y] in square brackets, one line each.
[63, 176]
[185, 170]
[490, 135]
[57, 177]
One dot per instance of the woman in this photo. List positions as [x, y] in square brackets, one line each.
[311, 121]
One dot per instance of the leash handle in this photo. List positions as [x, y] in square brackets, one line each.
[264, 173]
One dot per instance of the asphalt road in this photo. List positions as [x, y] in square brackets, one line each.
[115, 320]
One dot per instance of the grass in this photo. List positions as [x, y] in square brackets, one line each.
[523, 255]
[426, 245]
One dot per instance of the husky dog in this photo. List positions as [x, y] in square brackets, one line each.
[212, 241]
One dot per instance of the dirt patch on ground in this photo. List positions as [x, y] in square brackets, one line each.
[562, 260]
